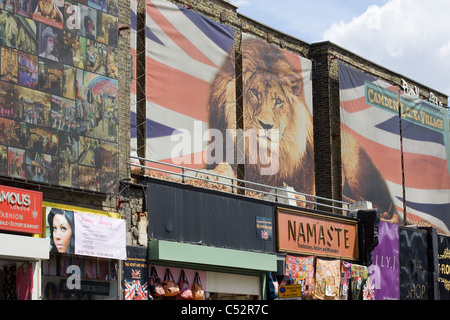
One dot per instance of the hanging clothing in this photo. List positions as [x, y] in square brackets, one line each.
[10, 282]
[24, 281]
[2, 284]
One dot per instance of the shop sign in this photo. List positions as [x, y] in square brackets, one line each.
[290, 291]
[311, 233]
[384, 270]
[444, 267]
[20, 210]
[87, 234]
[413, 267]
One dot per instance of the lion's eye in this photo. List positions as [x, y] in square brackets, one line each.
[254, 92]
[278, 103]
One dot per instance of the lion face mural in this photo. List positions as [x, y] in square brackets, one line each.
[277, 124]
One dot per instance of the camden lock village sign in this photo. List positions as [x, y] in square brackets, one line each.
[311, 233]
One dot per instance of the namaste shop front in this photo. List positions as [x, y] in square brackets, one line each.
[313, 250]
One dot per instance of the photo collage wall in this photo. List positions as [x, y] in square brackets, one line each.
[59, 92]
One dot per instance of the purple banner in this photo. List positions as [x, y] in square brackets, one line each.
[384, 271]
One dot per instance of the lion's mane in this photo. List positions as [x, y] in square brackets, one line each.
[271, 70]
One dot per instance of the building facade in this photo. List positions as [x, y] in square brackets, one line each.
[206, 146]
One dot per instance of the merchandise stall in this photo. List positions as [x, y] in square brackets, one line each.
[200, 273]
[320, 258]
[85, 247]
[21, 250]
[222, 273]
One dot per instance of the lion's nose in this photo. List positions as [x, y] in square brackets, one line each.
[265, 126]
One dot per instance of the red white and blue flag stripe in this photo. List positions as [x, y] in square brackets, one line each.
[184, 52]
[135, 291]
[424, 148]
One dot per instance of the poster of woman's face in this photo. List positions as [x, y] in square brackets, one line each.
[61, 229]
[50, 42]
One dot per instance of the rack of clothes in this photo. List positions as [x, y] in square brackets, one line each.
[16, 282]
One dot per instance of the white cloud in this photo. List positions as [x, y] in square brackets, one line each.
[407, 36]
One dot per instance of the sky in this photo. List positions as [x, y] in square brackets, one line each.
[410, 37]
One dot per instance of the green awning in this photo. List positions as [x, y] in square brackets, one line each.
[168, 251]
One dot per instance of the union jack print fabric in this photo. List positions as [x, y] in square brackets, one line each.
[184, 52]
[370, 115]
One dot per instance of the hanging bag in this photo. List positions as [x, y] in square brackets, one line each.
[197, 289]
[170, 286]
[183, 284]
[156, 288]
[273, 286]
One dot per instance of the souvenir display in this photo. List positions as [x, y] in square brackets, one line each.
[327, 279]
[301, 271]
[345, 280]
[358, 280]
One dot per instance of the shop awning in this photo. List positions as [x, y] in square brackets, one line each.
[23, 247]
[168, 251]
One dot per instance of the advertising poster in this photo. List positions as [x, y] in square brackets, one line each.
[384, 271]
[278, 117]
[100, 236]
[135, 274]
[85, 234]
[59, 92]
[370, 144]
[444, 267]
[413, 258]
[188, 68]
[425, 127]
[264, 228]
[372, 151]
